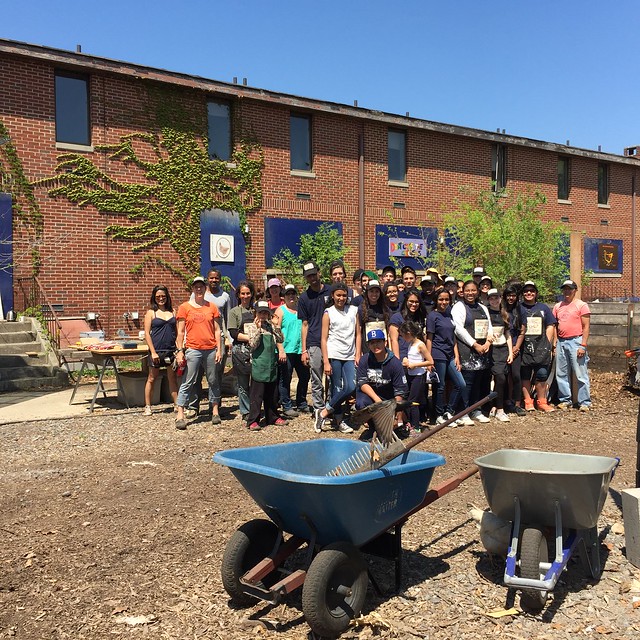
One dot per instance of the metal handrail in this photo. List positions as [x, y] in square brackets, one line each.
[35, 296]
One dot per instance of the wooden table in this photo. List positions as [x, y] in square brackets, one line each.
[102, 360]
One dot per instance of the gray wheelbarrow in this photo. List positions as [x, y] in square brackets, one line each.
[547, 496]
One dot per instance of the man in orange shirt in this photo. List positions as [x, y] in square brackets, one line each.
[200, 320]
[573, 316]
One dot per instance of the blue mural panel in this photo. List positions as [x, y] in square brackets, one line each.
[402, 243]
[6, 252]
[218, 222]
[603, 255]
[284, 233]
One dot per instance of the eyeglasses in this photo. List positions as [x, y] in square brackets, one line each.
[290, 293]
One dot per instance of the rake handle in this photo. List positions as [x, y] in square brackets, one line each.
[427, 434]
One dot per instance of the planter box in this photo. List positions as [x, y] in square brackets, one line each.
[133, 384]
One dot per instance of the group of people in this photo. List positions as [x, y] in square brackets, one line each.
[441, 345]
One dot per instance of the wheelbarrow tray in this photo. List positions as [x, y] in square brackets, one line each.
[289, 483]
[539, 479]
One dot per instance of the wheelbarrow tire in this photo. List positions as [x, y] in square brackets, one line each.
[533, 551]
[327, 608]
[250, 543]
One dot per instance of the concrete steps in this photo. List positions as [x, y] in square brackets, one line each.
[26, 361]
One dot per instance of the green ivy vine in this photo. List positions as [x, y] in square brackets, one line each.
[24, 204]
[181, 182]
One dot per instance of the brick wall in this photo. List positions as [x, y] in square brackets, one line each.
[84, 270]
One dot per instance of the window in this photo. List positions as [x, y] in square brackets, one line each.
[219, 130]
[603, 183]
[300, 142]
[397, 155]
[72, 108]
[499, 167]
[563, 179]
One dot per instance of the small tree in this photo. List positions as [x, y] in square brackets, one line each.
[506, 235]
[322, 247]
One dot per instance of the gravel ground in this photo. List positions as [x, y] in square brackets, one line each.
[115, 525]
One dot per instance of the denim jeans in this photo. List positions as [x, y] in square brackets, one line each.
[343, 383]
[197, 358]
[447, 369]
[244, 401]
[567, 362]
[293, 363]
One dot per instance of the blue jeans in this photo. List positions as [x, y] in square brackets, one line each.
[343, 383]
[244, 385]
[197, 358]
[567, 362]
[293, 363]
[447, 369]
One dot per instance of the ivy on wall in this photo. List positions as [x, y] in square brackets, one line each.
[25, 206]
[181, 181]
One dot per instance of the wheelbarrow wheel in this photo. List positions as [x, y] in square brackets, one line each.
[334, 589]
[252, 542]
[533, 551]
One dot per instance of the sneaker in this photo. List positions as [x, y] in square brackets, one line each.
[466, 421]
[492, 413]
[519, 411]
[254, 426]
[215, 419]
[343, 427]
[318, 420]
[181, 424]
[502, 416]
[280, 422]
[563, 406]
[402, 431]
[543, 405]
[479, 416]
[448, 415]
[528, 405]
[440, 420]
[147, 410]
[291, 413]
[191, 413]
[584, 408]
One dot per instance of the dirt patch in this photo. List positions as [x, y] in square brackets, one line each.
[115, 525]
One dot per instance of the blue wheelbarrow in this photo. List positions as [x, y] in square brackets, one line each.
[338, 518]
[553, 500]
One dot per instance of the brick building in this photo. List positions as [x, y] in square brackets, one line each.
[321, 162]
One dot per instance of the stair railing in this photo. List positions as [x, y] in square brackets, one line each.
[34, 299]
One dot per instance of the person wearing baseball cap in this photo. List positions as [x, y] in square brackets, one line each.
[477, 274]
[274, 293]
[537, 348]
[380, 375]
[197, 343]
[265, 342]
[311, 306]
[574, 320]
[408, 275]
[388, 274]
[286, 317]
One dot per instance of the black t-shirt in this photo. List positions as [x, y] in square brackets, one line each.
[311, 306]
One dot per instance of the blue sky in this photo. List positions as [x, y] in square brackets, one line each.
[551, 70]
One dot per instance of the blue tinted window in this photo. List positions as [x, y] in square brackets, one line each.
[397, 157]
[72, 109]
[300, 142]
[219, 130]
